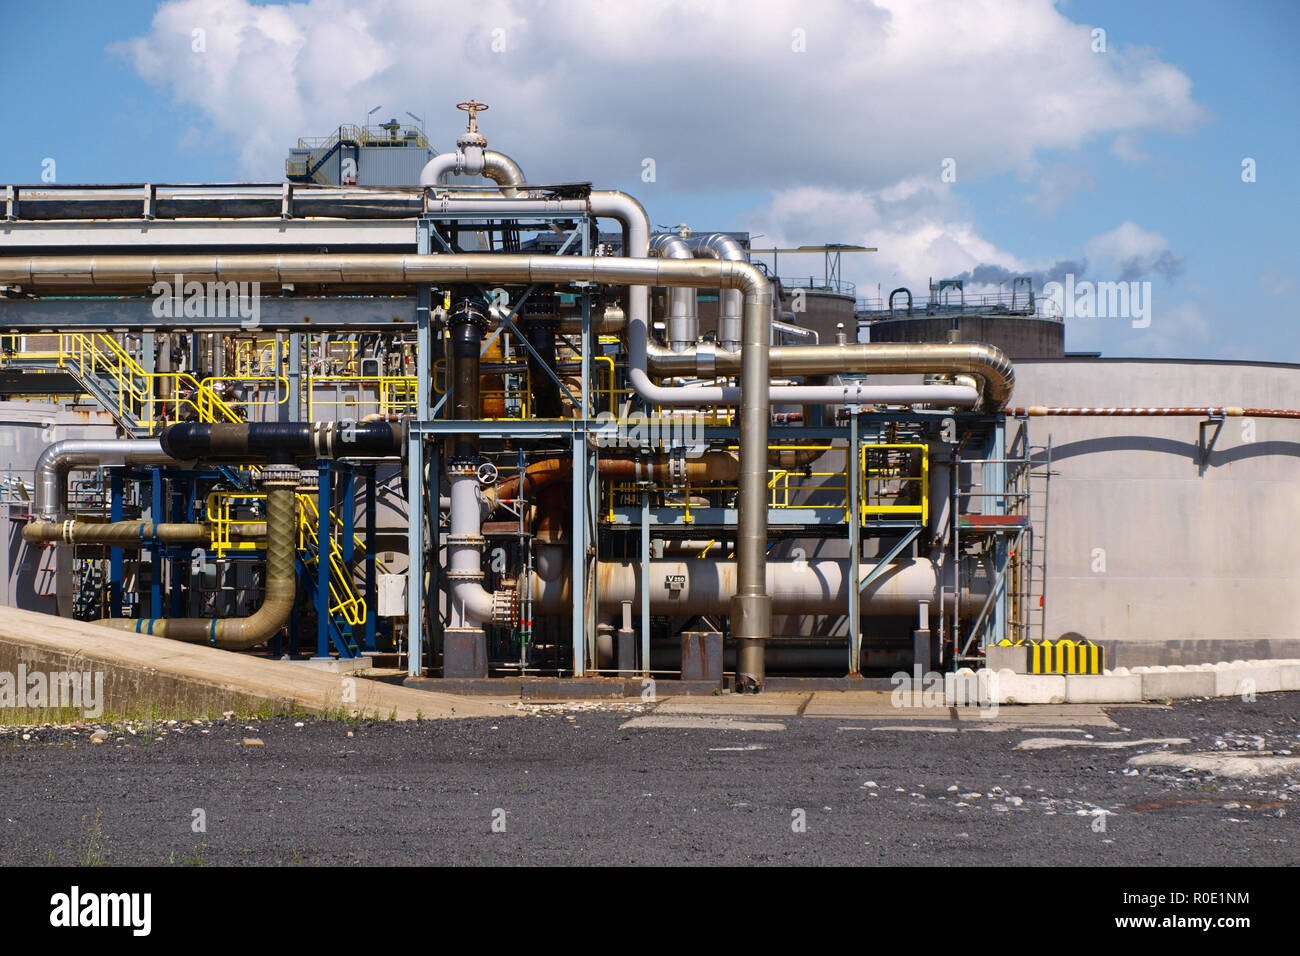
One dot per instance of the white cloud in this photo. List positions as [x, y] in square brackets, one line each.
[710, 88]
[1136, 253]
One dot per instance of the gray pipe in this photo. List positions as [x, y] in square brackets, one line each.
[704, 586]
[683, 323]
[53, 465]
[719, 246]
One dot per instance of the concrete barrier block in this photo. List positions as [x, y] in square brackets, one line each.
[1016, 688]
[1289, 675]
[1014, 658]
[1237, 678]
[970, 688]
[1156, 686]
[1103, 689]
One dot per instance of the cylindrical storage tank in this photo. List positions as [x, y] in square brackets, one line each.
[1020, 337]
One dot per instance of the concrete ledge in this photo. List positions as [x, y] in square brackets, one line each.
[1175, 683]
[152, 676]
[1103, 688]
[1233, 679]
[1013, 688]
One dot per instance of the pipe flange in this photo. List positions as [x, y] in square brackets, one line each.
[280, 474]
[505, 607]
[463, 575]
[463, 467]
[677, 467]
[466, 540]
[309, 480]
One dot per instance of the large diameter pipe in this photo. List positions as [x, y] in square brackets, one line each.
[751, 606]
[117, 533]
[720, 246]
[52, 467]
[282, 441]
[703, 586]
[683, 322]
[280, 483]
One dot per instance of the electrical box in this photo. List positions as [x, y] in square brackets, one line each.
[392, 595]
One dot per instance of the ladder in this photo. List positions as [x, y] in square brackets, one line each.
[1039, 478]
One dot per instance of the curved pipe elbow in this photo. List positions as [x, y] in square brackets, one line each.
[503, 171]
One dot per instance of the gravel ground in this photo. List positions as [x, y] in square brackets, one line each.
[568, 785]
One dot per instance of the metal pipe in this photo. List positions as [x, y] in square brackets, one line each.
[280, 483]
[750, 617]
[657, 468]
[683, 321]
[720, 246]
[280, 441]
[117, 533]
[703, 586]
[52, 467]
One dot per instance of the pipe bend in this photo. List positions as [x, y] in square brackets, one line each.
[503, 171]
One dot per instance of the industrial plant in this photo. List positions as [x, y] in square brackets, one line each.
[409, 408]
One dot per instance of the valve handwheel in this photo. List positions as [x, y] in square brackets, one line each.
[473, 108]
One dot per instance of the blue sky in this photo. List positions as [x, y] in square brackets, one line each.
[1160, 151]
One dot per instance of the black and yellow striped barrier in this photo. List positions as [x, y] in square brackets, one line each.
[1066, 657]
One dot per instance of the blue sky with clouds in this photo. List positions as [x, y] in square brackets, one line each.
[1116, 164]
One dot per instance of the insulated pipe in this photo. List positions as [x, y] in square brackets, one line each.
[503, 171]
[53, 465]
[118, 533]
[704, 586]
[242, 441]
[280, 483]
[467, 322]
[719, 246]
[987, 364]
[683, 323]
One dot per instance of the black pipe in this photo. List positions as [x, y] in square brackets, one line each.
[467, 322]
[281, 442]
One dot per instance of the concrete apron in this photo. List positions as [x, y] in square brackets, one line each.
[145, 675]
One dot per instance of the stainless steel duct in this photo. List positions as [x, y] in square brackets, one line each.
[718, 245]
[683, 321]
[52, 467]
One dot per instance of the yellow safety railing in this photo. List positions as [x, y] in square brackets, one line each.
[344, 599]
[887, 476]
[391, 394]
[223, 519]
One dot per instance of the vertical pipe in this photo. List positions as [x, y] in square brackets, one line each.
[323, 562]
[116, 569]
[855, 544]
[155, 550]
[415, 479]
[751, 608]
[578, 582]
[645, 582]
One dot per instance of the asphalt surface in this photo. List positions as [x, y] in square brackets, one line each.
[575, 788]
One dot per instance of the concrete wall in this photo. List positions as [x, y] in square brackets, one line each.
[1200, 564]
